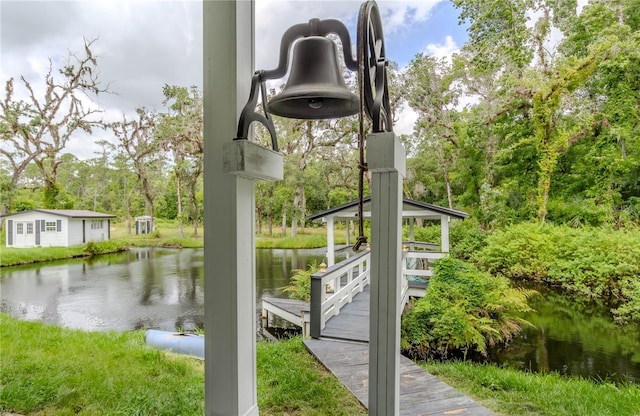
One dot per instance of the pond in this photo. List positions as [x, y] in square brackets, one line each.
[573, 339]
[139, 289]
[163, 289]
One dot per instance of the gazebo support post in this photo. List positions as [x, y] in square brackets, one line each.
[412, 237]
[444, 233]
[386, 161]
[331, 248]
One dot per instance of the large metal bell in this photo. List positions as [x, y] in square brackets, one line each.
[315, 89]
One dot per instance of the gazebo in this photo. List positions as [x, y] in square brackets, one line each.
[411, 210]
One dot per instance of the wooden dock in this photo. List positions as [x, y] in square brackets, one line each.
[344, 350]
[292, 310]
[420, 392]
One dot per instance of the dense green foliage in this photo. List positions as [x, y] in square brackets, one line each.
[517, 393]
[595, 263]
[464, 310]
[104, 247]
[71, 372]
[299, 286]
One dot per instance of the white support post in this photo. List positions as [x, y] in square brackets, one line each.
[412, 237]
[229, 303]
[331, 248]
[347, 224]
[444, 233]
[386, 160]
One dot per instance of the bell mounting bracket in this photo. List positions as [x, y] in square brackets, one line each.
[315, 27]
[370, 63]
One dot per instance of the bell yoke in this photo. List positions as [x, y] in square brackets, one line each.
[315, 89]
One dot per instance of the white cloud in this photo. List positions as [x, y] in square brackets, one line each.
[143, 44]
[445, 50]
[407, 118]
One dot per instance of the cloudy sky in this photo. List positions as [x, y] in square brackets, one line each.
[143, 44]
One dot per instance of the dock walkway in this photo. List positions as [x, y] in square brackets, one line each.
[343, 349]
[420, 392]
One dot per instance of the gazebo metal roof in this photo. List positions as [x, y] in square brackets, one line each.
[410, 209]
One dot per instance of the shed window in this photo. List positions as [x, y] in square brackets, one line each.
[29, 228]
[50, 226]
[19, 228]
[96, 224]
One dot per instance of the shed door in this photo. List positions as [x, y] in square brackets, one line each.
[25, 234]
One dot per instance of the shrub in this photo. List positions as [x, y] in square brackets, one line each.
[464, 310]
[103, 247]
[299, 286]
[599, 264]
[466, 238]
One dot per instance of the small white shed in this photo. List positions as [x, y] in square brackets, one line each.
[56, 227]
[144, 224]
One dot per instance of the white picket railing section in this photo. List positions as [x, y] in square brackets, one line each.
[338, 284]
[336, 287]
[416, 263]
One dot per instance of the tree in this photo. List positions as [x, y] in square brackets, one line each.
[431, 92]
[180, 132]
[136, 139]
[38, 128]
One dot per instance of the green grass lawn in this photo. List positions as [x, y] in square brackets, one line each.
[46, 370]
[516, 393]
[166, 235]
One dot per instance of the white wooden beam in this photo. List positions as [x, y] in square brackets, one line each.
[444, 233]
[230, 292]
[412, 237]
[331, 248]
[386, 160]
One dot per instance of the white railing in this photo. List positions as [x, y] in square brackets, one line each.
[336, 287]
[416, 263]
[338, 284]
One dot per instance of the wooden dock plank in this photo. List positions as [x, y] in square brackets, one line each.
[353, 321]
[293, 306]
[344, 350]
[421, 393]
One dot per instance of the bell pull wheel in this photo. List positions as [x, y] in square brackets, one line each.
[372, 67]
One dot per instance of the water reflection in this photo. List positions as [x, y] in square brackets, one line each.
[574, 339]
[139, 289]
[142, 288]
[164, 289]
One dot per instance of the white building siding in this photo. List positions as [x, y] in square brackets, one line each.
[52, 235]
[45, 229]
[75, 232]
[97, 229]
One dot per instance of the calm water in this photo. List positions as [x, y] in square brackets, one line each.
[574, 339]
[163, 289]
[138, 289]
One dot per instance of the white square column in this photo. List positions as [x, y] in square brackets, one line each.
[386, 160]
[331, 243]
[444, 233]
[229, 261]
